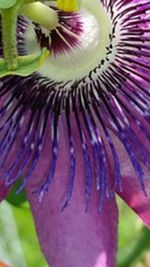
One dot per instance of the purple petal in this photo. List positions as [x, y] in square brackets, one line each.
[83, 162]
[134, 197]
[137, 197]
[3, 188]
[3, 191]
[73, 237]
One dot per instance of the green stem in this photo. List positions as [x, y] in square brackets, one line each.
[37, 12]
[9, 39]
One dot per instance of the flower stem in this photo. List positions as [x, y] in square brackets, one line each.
[12, 64]
[9, 22]
[37, 12]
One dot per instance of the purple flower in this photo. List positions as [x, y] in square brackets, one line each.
[78, 129]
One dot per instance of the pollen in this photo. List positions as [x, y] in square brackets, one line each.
[68, 6]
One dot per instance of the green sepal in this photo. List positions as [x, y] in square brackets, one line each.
[26, 64]
[14, 199]
[5, 4]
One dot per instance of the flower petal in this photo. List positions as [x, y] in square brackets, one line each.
[3, 191]
[133, 195]
[73, 237]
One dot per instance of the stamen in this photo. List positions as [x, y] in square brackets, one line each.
[41, 14]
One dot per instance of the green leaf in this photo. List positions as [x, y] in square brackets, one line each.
[142, 244]
[26, 64]
[16, 199]
[4, 4]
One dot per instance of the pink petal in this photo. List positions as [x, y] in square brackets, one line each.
[73, 238]
[3, 191]
[134, 196]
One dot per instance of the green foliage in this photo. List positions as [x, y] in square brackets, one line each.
[134, 238]
[14, 198]
[28, 238]
[18, 240]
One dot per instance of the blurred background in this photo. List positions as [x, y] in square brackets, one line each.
[19, 246]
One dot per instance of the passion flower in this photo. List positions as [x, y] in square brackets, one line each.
[78, 129]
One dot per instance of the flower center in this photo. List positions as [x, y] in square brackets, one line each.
[89, 43]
